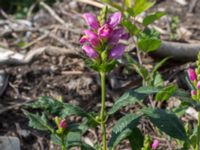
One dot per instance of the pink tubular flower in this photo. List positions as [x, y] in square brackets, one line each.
[91, 20]
[192, 74]
[83, 39]
[116, 35]
[114, 19]
[105, 31]
[155, 144]
[193, 93]
[89, 51]
[63, 124]
[117, 51]
[91, 37]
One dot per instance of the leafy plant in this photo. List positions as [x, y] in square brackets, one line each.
[103, 45]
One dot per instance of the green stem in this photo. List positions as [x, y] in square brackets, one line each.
[198, 133]
[102, 113]
[63, 143]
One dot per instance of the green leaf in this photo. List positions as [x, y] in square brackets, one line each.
[157, 80]
[124, 122]
[158, 65]
[151, 18]
[128, 3]
[129, 98]
[180, 111]
[148, 45]
[133, 29]
[38, 122]
[56, 139]
[123, 129]
[142, 71]
[117, 138]
[69, 109]
[74, 140]
[148, 40]
[141, 6]
[136, 139]
[147, 90]
[166, 93]
[113, 4]
[193, 136]
[47, 103]
[166, 122]
[189, 83]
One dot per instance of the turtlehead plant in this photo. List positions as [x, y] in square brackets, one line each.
[102, 41]
[194, 82]
[103, 44]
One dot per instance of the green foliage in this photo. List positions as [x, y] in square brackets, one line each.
[151, 78]
[147, 90]
[128, 98]
[173, 26]
[148, 40]
[148, 45]
[101, 66]
[123, 129]
[158, 65]
[117, 138]
[48, 104]
[128, 3]
[133, 29]
[124, 122]
[166, 93]
[38, 122]
[153, 17]
[69, 110]
[136, 139]
[166, 122]
[156, 80]
[141, 6]
[73, 139]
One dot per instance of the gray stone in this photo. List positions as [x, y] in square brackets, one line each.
[9, 143]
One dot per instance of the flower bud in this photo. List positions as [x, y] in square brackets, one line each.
[89, 51]
[155, 144]
[105, 31]
[192, 74]
[114, 19]
[91, 20]
[117, 51]
[63, 124]
[198, 85]
[193, 93]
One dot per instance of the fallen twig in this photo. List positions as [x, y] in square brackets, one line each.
[8, 57]
[178, 51]
[93, 3]
[15, 106]
[52, 12]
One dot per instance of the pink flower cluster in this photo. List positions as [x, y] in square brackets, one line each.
[193, 78]
[155, 144]
[99, 38]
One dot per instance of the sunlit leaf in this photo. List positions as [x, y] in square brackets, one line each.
[151, 18]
